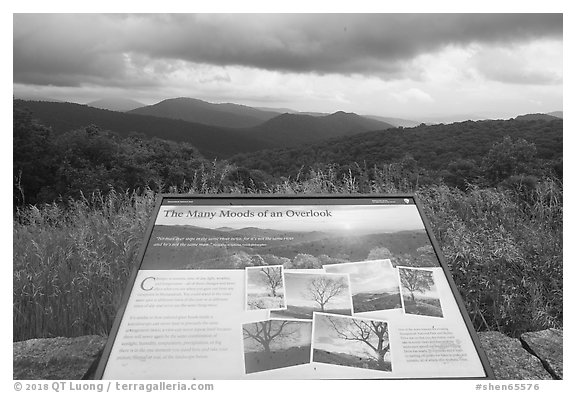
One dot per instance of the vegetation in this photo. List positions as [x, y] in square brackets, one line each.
[272, 344]
[454, 153]
[262, 361]
[213, 141]
[49, 167]
[71, 264]
[373, 334]
[82, 201]
[504, 248]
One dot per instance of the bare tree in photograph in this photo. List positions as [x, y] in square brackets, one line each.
[272, 278]
[373, 334]
[266, 332]
[416, 281]
[323, 289]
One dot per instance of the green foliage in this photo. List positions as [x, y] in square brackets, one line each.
[70, 265]
[457, 154]
[212, 141]
[505, 256]
[87, 160]
[504, 249]
[495, 208]
[508, 158]
[33, 152]
[461, 173]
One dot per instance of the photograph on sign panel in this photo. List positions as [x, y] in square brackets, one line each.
[307, 293]
[351, 341]
[274, 344]
[265, 288]
[374, 284]
[297, 237]
[419, 292]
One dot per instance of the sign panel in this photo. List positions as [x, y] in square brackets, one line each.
[291, 288]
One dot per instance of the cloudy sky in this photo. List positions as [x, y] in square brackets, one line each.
[298, 333]
[368, 276]
[298, 290]
[416, 66]
[326, 338]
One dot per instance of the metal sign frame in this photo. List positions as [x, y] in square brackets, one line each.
[281, 199]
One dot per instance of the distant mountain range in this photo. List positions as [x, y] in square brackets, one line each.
[116, 104]
[292, 129]
[427, 146]
[541, 116]
[395, 121]
[559, 114]
[223, 130]
[34, 97]
[212, 141]
[242, 116]
[198, 111]
[281, 125]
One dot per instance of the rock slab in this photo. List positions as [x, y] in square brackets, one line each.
[547, 346]
[509, 360]
[55, 358]
[70, 358]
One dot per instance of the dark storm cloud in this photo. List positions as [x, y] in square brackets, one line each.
[71, 49]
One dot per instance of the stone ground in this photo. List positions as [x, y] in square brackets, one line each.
[55, 358]
[535, 356]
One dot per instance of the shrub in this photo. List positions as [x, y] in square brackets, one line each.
[70, 265]
[504, 247]
[505, 256]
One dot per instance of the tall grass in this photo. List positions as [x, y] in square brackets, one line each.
[505, 255]
[70, 265]
[504, 249]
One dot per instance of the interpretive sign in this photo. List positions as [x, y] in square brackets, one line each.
[291, 287]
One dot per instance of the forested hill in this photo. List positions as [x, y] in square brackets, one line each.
[211, 141]
[297, 129]
[49, 165]
[432, 147]
[198, 111]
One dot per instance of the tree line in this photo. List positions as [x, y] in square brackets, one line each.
[51, 167]
[514, 154]
[483, 153]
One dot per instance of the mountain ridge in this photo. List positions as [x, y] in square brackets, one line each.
[63, 117]
[558, 114]
[211, 141]
[291, 129]
[116, 104]
[426, 146]
[394, 121]
[537, 116]
[199, 111]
